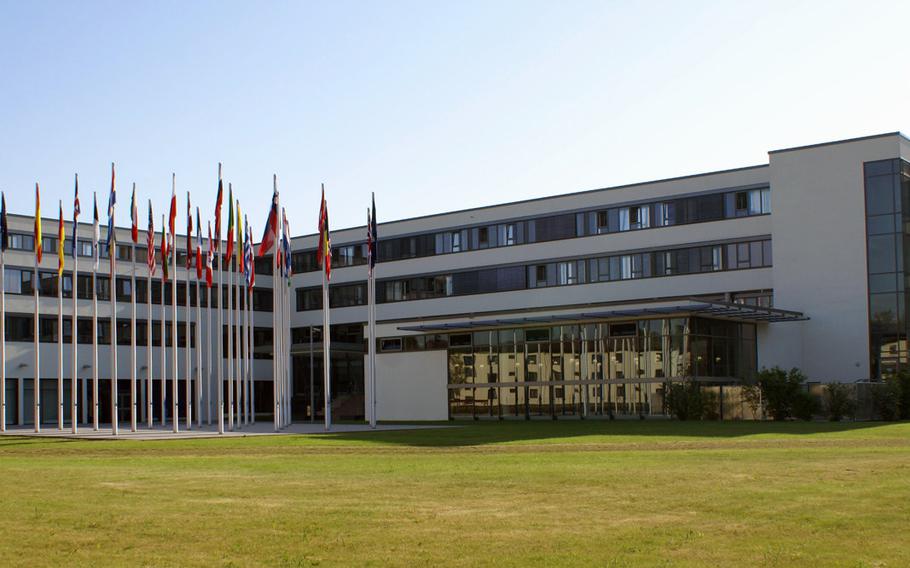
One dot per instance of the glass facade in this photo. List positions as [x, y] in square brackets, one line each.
[887, 186]
[609, 368]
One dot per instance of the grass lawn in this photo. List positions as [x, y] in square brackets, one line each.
[513, 494]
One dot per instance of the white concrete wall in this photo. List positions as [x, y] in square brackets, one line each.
[819, 233]
[411, 386]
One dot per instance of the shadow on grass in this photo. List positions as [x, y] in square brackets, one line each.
[470, 433]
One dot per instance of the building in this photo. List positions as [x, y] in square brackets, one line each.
[580, 304]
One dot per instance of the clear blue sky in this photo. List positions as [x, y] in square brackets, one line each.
[433, 105]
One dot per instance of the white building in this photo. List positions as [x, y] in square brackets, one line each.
[574, 305]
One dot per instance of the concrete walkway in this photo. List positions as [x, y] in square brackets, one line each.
[160, 433]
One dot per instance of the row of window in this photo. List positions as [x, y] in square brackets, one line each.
[690, 260]
[665, 213]
[20, 281]
[21, 328]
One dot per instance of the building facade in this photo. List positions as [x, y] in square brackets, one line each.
[583, 304]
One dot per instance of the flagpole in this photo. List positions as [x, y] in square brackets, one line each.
[208, 358]
[251, 409]
[187, 353]
[60, 331]
[96, 237]
[238, 352]
[149, 391]
[175, 408]
[163, 327]
[3, 323]
[115, 408]
[326, 358]
[134, 359]
[199, 344]
[37, 380]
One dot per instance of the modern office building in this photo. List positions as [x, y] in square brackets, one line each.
[580, 304]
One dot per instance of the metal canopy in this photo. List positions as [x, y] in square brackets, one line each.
[723, 310]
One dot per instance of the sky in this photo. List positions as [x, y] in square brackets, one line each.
[434, 106]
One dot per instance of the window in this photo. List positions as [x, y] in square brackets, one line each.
[742, 202]
[567, 273]
[390, 344]
[456, 241]
[540, 275]
[509, 237]
[483, 237]
[602, 222]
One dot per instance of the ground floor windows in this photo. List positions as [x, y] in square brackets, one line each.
[577, 369]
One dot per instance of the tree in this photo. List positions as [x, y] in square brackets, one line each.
[785, 395]
[839, 401]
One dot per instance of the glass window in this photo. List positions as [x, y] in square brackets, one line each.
[881, 254]
[880, 195]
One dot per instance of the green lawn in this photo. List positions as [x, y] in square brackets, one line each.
[516, 494]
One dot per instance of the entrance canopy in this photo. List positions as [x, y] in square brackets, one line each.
[720, 310]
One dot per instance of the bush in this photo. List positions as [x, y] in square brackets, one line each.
[687, 401]
[839, 401]
[903, 387]
[885, 399]
[784, 394]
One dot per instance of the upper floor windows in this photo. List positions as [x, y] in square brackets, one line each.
[663, 213]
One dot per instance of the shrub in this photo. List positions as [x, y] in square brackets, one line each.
[839, 401]
[687, 401]
[885, 399]
[784, 394]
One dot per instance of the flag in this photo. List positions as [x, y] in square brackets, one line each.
[37, 223]
[61, 238]
[4, 224]
[134, 216]
[172, 219]
[250, 272]
[111, 203]
[286, 246]
[189, 233]
[77, 209]
[96, 235]
[218, 200]
[198, 246]
[164, 255]
[271, 227]
[324, 254]
[229, 253]
[369, 242]
[239, 230]
[150, 236]
[374, 238]
[209, 258]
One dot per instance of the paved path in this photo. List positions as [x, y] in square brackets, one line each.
[159, 433]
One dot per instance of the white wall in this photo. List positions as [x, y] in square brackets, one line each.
[411, 386]
[819, 233]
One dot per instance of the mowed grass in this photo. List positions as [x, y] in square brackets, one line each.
[512, 494]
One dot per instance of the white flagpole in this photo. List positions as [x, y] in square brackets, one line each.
[187, 353]
[219, 335]
[326, 357]
[208, 357]
[236, 360]
[230, 340]
[175, 408]
[149, 396]
[37, 381]
[199, 344]
[134, 358]
[96, 252]
[163, 329]
[74, 391]
[287, 342]
[250, 409]
[60, 410]
[115, 408]
[3, 343]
